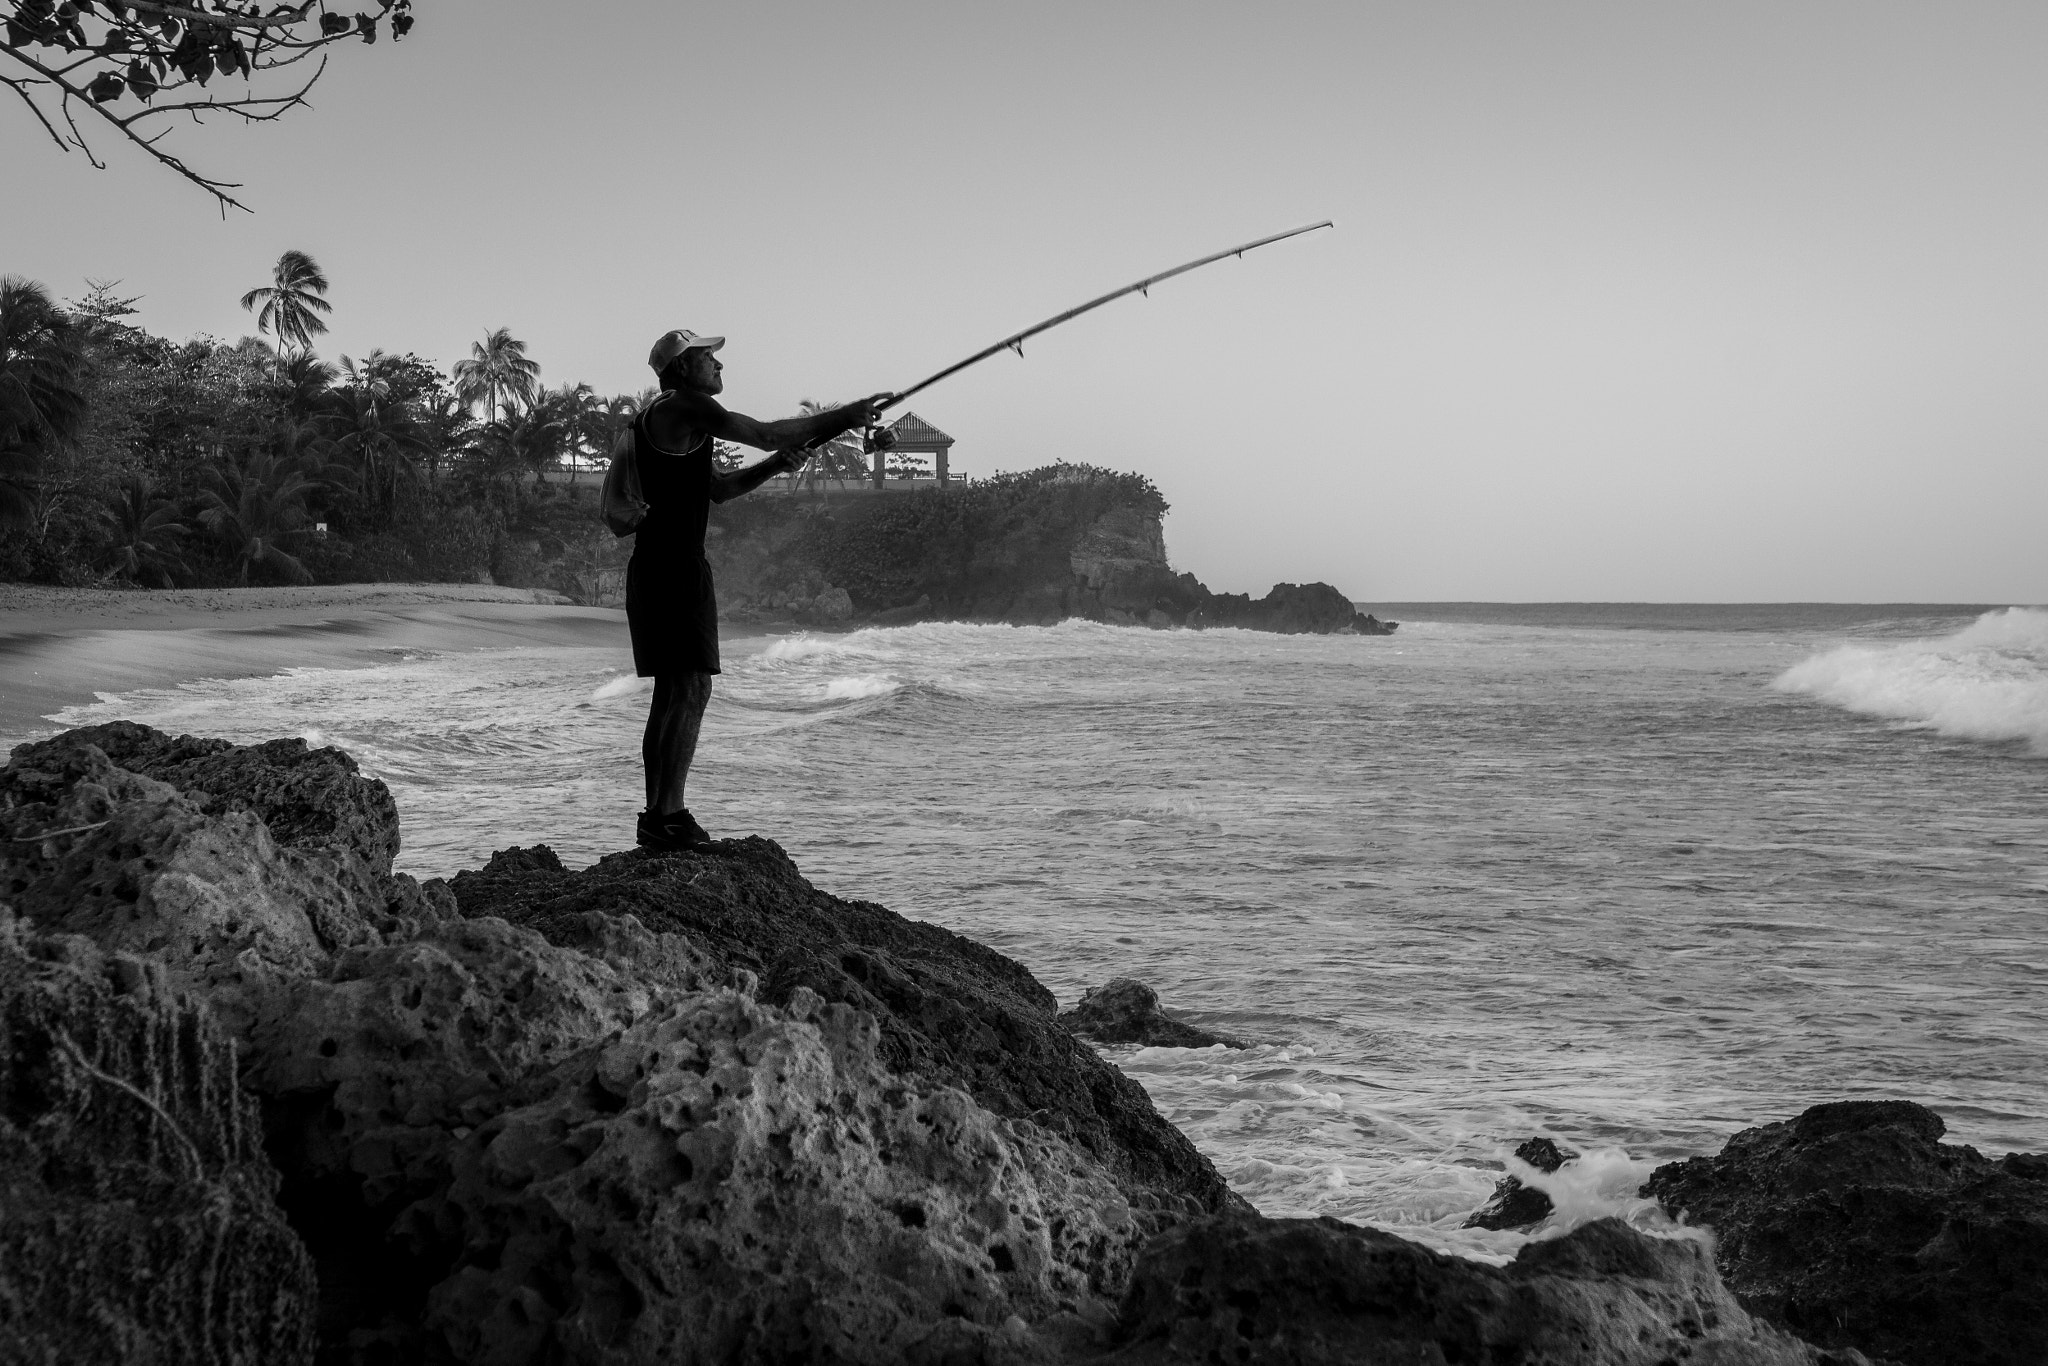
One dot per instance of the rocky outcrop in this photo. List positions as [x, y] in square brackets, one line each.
[138, 1219]
[236, 868]
[948, 1009]
[1515, 1204]
[1027, 549]
[1290, 609]
[677, 1107]
[733, 1181]
[1125, 1010]
[585, 1137]
[1311, 1291]
[1854, 1225]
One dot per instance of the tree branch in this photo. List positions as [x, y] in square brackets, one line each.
[217, 188]
[239, 108]
[148, 49]
[20, 87]
[239, 21]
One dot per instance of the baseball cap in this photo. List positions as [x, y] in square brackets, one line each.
[673, 344]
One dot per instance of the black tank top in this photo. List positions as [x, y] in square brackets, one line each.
[677, 488]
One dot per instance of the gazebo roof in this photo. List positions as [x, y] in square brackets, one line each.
[914, 433]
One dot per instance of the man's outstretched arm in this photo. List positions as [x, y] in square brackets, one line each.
[790, 432]
[728, 486]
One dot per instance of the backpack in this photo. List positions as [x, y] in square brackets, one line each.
[620, 500]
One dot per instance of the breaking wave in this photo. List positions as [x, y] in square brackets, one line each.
[1988, 681]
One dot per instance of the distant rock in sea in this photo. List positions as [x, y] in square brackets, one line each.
[1125, 1010]
[262, 1099]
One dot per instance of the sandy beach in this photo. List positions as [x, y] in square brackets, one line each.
[62, 646]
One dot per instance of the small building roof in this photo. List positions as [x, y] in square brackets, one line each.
[913, 433]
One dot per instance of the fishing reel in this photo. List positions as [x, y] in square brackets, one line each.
[874, 439]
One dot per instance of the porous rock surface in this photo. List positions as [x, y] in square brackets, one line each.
[950, 1010]
[1125, 1010]
[608, 1142]
[1311, 1291]
[735, 1181]
[1855, 1225]
[1515, 1203]
[196, 876]
[137, 1213]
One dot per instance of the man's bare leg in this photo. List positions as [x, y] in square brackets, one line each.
[670, 743]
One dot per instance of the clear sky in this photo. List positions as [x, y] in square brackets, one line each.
[1740, 301]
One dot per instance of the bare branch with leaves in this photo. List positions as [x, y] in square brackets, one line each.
[136, 66]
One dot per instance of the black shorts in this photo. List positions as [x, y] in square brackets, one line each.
[672, 612]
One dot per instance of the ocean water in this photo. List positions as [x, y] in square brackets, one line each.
[1629, 877]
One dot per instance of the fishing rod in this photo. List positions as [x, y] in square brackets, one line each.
[1015, 341]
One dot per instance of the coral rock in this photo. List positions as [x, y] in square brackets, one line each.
[1308, 1291]
[951, 1011]
[1855, 1226]
[733, 1181]
[137, 1220]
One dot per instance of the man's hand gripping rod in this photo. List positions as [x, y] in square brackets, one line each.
[1015, 342]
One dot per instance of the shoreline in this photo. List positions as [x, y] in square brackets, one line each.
[61, 647]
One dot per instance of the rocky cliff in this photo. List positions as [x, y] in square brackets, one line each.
[264, 1100]
[1028, 549]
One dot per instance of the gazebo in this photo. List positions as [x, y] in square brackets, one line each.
[913, 433]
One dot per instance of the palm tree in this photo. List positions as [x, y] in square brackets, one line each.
[584, 421]
[301, 385]
[291, 301]
[496, 374]
[146, 533]
[443, 426]
[838, 458]
[380, 441]
[373, 373]
[42, 389]
[257, 507]
[530, 440]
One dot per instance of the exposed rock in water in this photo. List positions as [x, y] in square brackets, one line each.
[1514, 1204]
[1311, 1291]
[138, 1219]
[1290, 609]
[1855, 1226]
[1125, 1010]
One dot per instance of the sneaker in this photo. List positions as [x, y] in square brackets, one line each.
[651, 832]
[682, 830]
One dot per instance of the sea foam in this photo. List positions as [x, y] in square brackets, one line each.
[1988, 681]
[864, 685]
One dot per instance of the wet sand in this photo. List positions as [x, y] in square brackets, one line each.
[63, 646]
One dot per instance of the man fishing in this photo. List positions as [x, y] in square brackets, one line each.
[669, 602]
[671, 609]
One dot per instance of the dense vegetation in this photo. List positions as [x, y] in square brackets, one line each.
[128, 457]
[969, 543]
